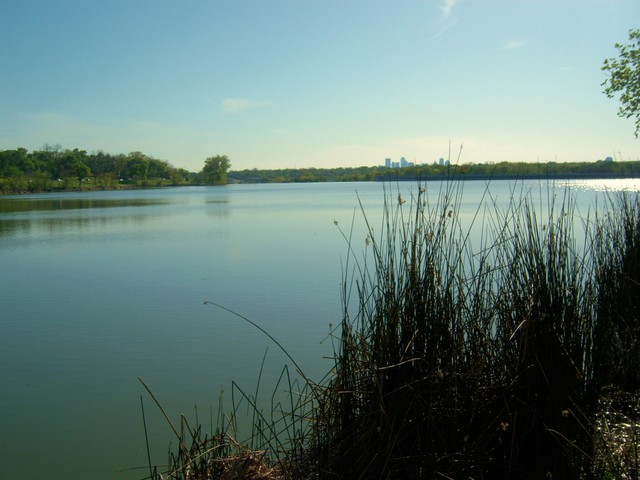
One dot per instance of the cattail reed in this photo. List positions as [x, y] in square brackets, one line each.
[513, 353]
[484, 361]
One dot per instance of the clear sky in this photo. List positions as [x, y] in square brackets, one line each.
[315, 83]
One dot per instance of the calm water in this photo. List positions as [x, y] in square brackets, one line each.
[99, 288]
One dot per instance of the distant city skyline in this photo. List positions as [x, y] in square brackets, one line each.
[403, 163]
[283, 84]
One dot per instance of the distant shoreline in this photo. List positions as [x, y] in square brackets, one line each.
[457, 176]
[93, 188]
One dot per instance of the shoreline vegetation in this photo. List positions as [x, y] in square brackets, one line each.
[515, 358]
[54, 169]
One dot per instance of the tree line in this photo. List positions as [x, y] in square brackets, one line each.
[38, 170]
[54, 168]
[598, 169]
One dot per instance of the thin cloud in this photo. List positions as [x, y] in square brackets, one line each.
[447, 6]
[444, 28]
[447, 21]
[47, 118]
[236, 105]
[55, 125]
[513, 44]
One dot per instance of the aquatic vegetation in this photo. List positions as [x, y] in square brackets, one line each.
[463, 360]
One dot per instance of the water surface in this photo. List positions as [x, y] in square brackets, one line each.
[98, 288]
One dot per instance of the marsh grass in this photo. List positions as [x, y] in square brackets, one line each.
[276, 446]
[489, 360]
[461, 354]
[274, 449]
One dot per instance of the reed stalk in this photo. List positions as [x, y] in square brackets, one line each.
[463, 361]
[499, 354]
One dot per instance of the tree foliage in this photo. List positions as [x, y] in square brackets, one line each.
[624, 78]
[470, 171]
[54, 167]
[215, 170]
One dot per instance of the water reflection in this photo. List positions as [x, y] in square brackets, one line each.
[20, 205]
[31, 217]
[54, 226]
[603, 184]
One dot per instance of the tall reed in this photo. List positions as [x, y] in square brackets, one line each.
[504, 346]
[481, 361]
[617, 337]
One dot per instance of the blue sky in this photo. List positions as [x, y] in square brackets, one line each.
[301, 83]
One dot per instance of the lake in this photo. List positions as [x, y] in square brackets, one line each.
[100, 288]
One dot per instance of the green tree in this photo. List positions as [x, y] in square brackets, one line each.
[215, 170]
[71, 164]
[159, 168]
[624, 77]
[179, 176]
[101, 164]
[137, 166]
